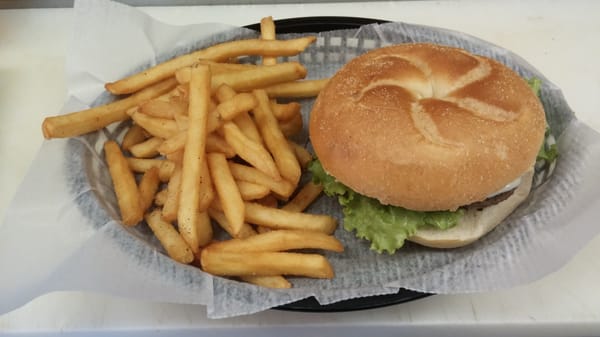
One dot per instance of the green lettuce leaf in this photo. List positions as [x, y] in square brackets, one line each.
[386, 227]
[536, 85]
[548, 153]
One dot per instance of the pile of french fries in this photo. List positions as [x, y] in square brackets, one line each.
[209, 143]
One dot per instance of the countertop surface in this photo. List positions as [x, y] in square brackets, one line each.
[560, 38]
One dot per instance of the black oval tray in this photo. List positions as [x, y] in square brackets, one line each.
[315, 24]
[361, 303]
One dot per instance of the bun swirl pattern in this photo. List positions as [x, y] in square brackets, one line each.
[428, 127]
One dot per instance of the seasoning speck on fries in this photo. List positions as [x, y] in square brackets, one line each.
[207, 145]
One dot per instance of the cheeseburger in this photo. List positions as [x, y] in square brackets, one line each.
[425, 143]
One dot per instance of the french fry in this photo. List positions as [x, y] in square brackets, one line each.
[171, 205]
[224, 263]
[268, 201]
[304, 157]
[250, 151]
[245, 231]
[169, 238]
[182, 121]
[218, 52]
[260, 77]
[126, 190]
[224, 67]
[174, 143]
[224, 51]
[224, 93]
[204, 228]
[263, 229]
[248, 127]
[297, 89]
[227, 190]
[193, 156]
[281, 240]
[274, 139]
[250, 174]
[291, 127]
[175, 156]
[281, 219]
[147, 148]
[82, 122]
[158, 127]
[181, 92]
[164, 109]
[148, 187]
[212, 104]
[285, 112]
[250, 191]
[307, 194]
[242, 120]
[229, 109]
[275, 282]
[160, 197]
[165, 167]
[134, 135]
[216, 204]
[216, 143]
[267, 32]
[183, 74]
[214, 121]
[207, 192]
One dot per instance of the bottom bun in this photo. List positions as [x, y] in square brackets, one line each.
[475, 223]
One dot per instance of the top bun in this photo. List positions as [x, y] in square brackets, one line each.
[426, 127]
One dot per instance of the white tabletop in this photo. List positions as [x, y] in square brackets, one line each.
[560, 38]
